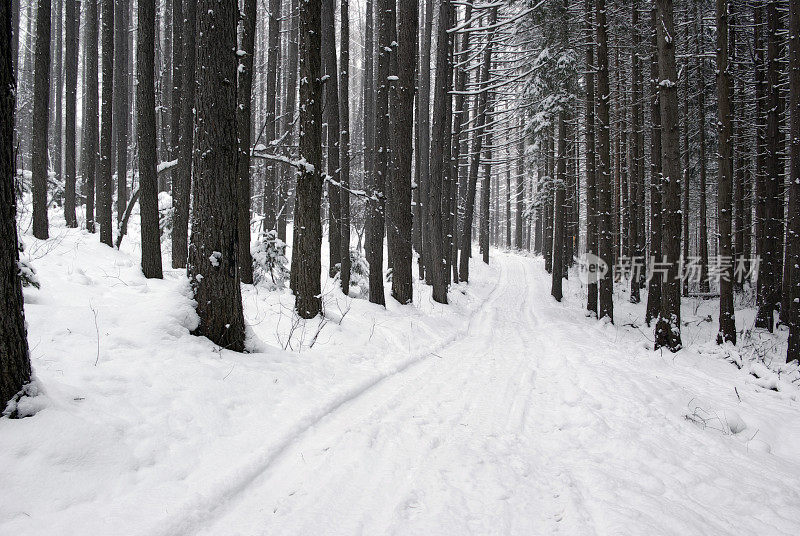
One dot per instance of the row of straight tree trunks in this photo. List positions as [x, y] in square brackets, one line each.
[655, 130]
[684, 114]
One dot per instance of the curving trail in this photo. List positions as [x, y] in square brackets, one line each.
[529, 424]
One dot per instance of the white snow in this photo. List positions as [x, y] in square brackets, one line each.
[502, 413]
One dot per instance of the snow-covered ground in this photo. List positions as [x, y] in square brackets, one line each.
[502, 413]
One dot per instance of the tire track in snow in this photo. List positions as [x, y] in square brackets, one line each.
[204, 509]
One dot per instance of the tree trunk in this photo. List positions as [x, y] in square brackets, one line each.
[634, 175]
[307, 240]
[668, 326]
[41, 98]
[701, 107]
[15, 365]
[58, 94]
[213, 251]
[520, 192]
[106, 184]
[769, 274]
[686, 152]
[270, 123]
[121, 102]
[605, 232]
[591, 167]
[656, 179]
[72, 23]
[435, 201]
[423, 133]
[290, 107]
[403, 135]
[331, 118]
[182, 176]
[559, 210]
[377, 202]
[344, 145]
[89, 136]
[793, 245]
[727, 320]
[244, 91]
[146, 132]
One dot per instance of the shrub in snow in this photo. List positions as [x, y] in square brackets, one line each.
[359, 274]
[165, 214]
[27, 274]
[269, 261]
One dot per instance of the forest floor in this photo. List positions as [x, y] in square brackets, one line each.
[502, 413]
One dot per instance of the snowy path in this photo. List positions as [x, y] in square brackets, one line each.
[520, 427]
[527, 419]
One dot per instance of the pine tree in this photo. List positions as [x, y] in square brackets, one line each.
[727, 319]
[403, 134]
[668, 326]
[604, 208]
[41, 98]
[182, 176]
[15, 364]
[71, 25]
[146, 132]
[307, 240]
[244, 92]
[213, 268]
[105, 185]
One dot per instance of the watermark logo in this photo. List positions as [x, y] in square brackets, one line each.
[591, 268]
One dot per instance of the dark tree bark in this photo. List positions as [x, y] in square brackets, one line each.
[686, 152]
[106, 183]
[213, 251]
[176, 78]
[741, 157]
[244, 92]
[559, 210]
[71, 25]
[182, 176]
[403, 135]
[437, 269]
[605, 232]
[376, 205]
[290, 107]
[15, 364]
[89, 137]
[793, 244]
[121, 102]
[423, 134]
[41, 98]
[307, 240]
[331, 118]
[270, 125]
[701, 142]
[57, 92]
[548, 202]
[146, 132]
[344, 144]
[727, 320]
[591, 172]
[656, 184]
[761, 140]
[769, 272]
[486, 186]
[668, 326]
[634, 176]
[520, 193]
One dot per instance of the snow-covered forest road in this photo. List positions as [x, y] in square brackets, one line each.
[504, 412]
[524, 426]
